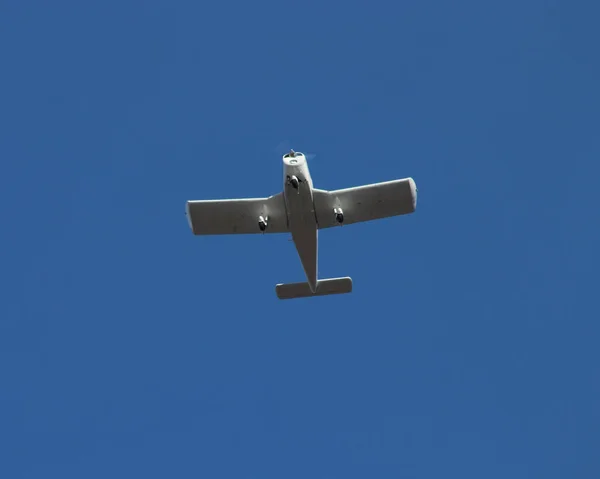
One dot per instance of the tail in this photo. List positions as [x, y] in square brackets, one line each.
[324, 287]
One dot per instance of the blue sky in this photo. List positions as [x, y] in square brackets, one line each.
[468, 348]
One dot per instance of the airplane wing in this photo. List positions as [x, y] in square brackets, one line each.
[366, 203]
[237, 216]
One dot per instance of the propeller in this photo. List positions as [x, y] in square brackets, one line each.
[285, 146]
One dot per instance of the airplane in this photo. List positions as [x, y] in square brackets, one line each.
[303, 210]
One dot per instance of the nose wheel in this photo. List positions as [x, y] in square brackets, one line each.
[262, 223]
[339, 215]
[294, 181]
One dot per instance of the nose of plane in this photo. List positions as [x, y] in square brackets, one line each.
[293, 158]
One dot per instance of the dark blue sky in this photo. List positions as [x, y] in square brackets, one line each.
[131, 348]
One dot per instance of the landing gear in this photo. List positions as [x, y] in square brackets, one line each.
[339, 215]
[262, 223]
[294, 181]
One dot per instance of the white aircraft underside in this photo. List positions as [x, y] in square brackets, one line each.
[302, 210]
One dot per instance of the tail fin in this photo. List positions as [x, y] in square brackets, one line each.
[324, 287]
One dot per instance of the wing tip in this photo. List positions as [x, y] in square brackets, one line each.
[189, 216]
[414, 192]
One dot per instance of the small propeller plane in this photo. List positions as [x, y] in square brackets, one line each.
[302, 210]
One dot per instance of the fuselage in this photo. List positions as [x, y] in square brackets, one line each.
[297, 188]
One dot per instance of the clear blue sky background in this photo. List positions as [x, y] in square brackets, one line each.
[131, 348]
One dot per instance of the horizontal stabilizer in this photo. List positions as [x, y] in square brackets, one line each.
[324, 287]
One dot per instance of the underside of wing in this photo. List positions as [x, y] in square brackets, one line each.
[237, 216]
[365, 203]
